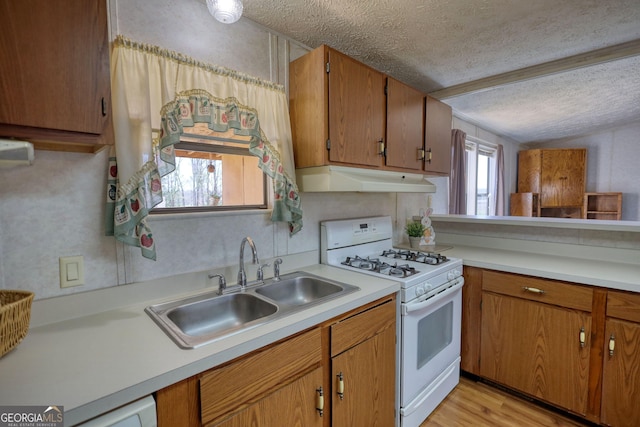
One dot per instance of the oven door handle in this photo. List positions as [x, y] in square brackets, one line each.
[420, 304]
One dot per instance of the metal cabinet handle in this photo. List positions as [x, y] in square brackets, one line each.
[612, 345]
[340, 385]
[320, 401]
[583, 338]
[533, 290]
[381, 147]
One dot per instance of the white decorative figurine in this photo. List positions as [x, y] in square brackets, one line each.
[429, 235]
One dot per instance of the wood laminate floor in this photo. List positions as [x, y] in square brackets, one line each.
[475, 404]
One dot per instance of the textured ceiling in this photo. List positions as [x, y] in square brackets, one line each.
[436, 44]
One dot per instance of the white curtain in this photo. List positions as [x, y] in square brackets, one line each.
[154, 88]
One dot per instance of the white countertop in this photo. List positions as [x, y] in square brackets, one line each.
[608, 274]
[97, 362]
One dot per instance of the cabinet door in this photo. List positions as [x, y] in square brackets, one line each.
[54, 64]
[471, 320]
[356, 111]
[293, 406]
[529, 170]
[437, 140]
[368, 375]
[563, 178]
[405, 121]
[621, 375]
[535, 348]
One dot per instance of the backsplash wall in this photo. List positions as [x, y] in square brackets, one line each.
[55, 208]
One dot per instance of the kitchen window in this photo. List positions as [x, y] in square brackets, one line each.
[481, 177]
[214, 171]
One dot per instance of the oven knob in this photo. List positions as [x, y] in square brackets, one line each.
[453, 274]
[428, 287]
[419, 290]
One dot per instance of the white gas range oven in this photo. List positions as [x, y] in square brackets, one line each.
[430, 307]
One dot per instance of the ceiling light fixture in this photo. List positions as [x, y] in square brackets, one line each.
[225, 11]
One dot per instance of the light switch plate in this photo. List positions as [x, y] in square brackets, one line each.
[71, 271]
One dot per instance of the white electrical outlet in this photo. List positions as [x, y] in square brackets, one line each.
[71, 271]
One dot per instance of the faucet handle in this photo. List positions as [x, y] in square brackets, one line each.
[222, 282]
[260, 272]
[276, 269]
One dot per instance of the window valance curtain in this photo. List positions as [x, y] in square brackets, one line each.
[153, 88]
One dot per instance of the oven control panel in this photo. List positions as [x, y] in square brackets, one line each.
[349, 232]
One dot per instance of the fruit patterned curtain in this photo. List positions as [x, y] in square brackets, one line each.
[153, 88]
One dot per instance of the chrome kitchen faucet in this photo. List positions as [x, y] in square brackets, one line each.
[242, 276]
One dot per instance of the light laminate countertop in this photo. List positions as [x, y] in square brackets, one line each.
[97, 362]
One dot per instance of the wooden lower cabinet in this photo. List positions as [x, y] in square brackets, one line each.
[621, 366]
[293, 405]
[364, 375]
[573, 346]
[535, 348]
[279, 385]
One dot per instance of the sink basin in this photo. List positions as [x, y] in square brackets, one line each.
[220, 314]
[299, 290]
[194, 321]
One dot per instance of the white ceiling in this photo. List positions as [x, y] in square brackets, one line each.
[435, 45]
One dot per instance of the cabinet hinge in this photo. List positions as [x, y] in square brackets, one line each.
[328, 67]
[328, 144]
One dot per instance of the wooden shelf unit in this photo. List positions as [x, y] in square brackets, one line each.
[602, 206]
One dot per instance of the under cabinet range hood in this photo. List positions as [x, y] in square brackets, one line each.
[15, 153]
[340, 178]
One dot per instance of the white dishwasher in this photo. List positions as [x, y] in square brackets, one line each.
[141, 413]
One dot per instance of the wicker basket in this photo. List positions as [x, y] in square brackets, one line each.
[15, 313]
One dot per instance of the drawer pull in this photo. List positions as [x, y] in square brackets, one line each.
[340, 385]
[320, 401]
[381, 147]
[583, 338]
[533, 290]
[429, 157]
[612, 345]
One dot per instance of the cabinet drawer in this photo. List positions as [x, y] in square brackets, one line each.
[536, 289]
[623, 305]
[362, 326]
[235, 386]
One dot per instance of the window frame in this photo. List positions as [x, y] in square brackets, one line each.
[474, 147]
[219, 149]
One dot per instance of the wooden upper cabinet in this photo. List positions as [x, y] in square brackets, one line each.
[563, 177]
[356, 111]
[437, 137]
[558, 175]
[529, 170]
[54, 71]
[337, 108]
[405, 126]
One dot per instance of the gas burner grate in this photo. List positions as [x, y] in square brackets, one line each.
[375, 265]
[415, 256]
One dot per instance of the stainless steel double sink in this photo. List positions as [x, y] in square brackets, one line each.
[195, 321]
